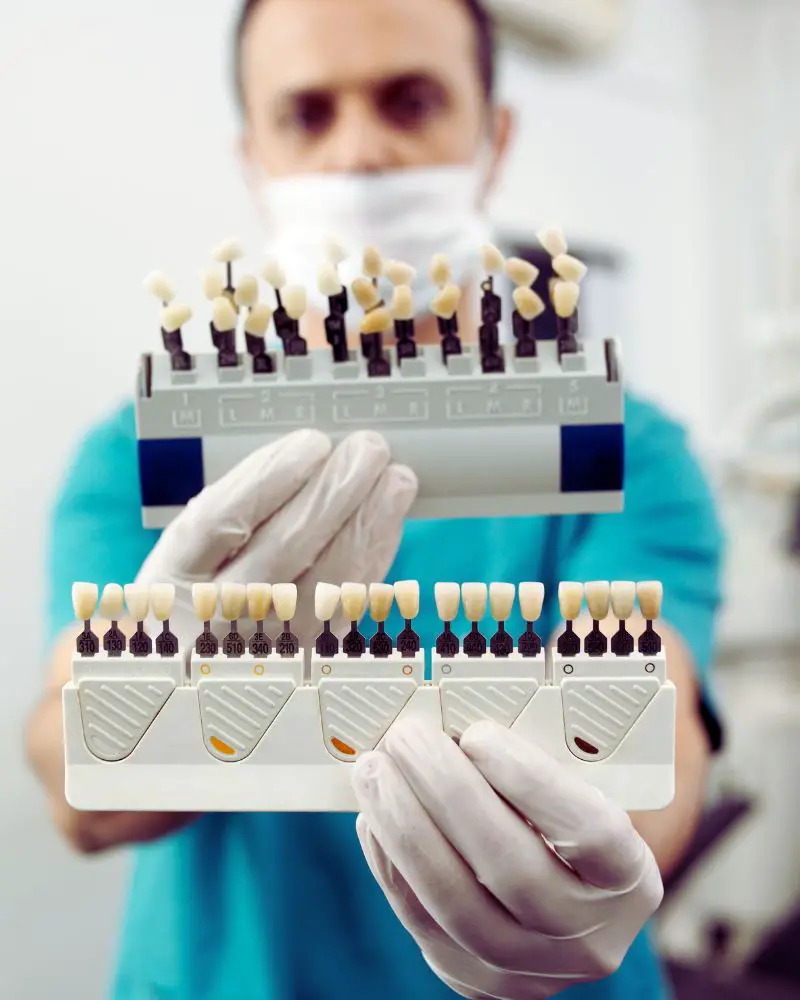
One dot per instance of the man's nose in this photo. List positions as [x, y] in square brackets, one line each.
[359, 140]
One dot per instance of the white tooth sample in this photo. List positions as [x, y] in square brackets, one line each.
[623, 598]
[569, 268]
[570, 598]
[650, 594]
[213, 283]
[354, 600]
[258, 320]
[565, 298]
[273, 273]
[381, 596]
[521, 272]
[227, 251]
[162, 600]
[447, 597]
[531, 600]
[406, 593]
[399, 273]
[158, 284]
[174, 316]
[294, 301]
[334, 252]
[137, 601]
[223, 314]
[204, 599]
[326, 600]
[246, 293]
[551, 238]
[473, 597]
[501, 600]
[233, 597]
[328, 281]
[597, 598]
[112, 603]
[259, 601]
[84, 600]
[284, 600]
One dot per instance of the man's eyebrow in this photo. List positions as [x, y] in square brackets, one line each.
[291, 95]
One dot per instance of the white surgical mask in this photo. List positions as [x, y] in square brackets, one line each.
[409, 215]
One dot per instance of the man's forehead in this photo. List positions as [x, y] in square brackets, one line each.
[316, 44]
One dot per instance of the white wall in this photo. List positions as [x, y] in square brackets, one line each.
[116, 157]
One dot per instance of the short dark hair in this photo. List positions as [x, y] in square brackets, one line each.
[484, 47]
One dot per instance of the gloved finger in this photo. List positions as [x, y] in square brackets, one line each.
[439, 878]
[506, 855]
[458, 969]
[290, 542]
[221, 519]
[588, 831]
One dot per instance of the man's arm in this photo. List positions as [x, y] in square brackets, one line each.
[87, 832]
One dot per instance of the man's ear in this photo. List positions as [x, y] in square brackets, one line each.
[502, 135]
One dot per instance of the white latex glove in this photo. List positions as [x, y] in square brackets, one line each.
[516, 879]
[295, 511]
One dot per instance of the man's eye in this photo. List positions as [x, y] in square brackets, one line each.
[313, 113]
[410, 104]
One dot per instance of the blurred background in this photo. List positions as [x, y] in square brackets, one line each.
[664, 137]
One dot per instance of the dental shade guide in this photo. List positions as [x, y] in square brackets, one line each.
[649, 594]
[259, 601]
[473, 598]
[597, 599]
[501, 603]
[623, 601]
[326, 600]
[381, 596]
[250, 730]
[531, 600]
[199, 413]
[137, 601]
[112, 607]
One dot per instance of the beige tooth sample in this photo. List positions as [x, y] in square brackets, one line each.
[84, 600]
[623, 602]
[501, 600]
[406, 594]
[565, 298]
[381, 596]
[521, 272]
[531, 600]
[473, 597]
[650, 594]
[551, 238]
[569, 268]
[570, 599]
[597, 599]
[492, 260]
[439, 271]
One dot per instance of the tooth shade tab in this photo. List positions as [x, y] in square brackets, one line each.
[445, 304]
[381, 596]
[406, 594]
[246, 293]
[259, 601]
[623, 598]
[447, 597]
[402, 303]
[366, 294]
[650, 594]
[565, 298]
[597, 598]
[159, 285]
[531, 600]
[233, 597]
[284, 600]
[162, 600]
[569, 268]
[174, 316]
[501, 600]
[521, 272]
[439, 271]
[551, 239]
[354, 600]
[258, 320]
[273, 273]
[223, 315]
[492, 260]
[227, 251]
[399, 273]
[328, 281]
[112, 603]
[137, 601]
[326, 600]
[84, 600]
[570, 598]
[294, 301]
[376, 321]
[473, 597]
[528, 303]
[213, 284]
[372, 262]
[334, 252]
[205, 598]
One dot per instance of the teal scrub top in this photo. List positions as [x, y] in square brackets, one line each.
[283, 906]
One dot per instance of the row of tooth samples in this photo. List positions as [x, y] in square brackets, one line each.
[355, 597]
[139, 601]
[229, 300]
[232, 599]
[621, 596]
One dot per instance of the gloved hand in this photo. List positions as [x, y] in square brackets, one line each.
[516, 879]
[295, 511]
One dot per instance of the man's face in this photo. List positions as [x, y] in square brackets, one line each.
[363, 85]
